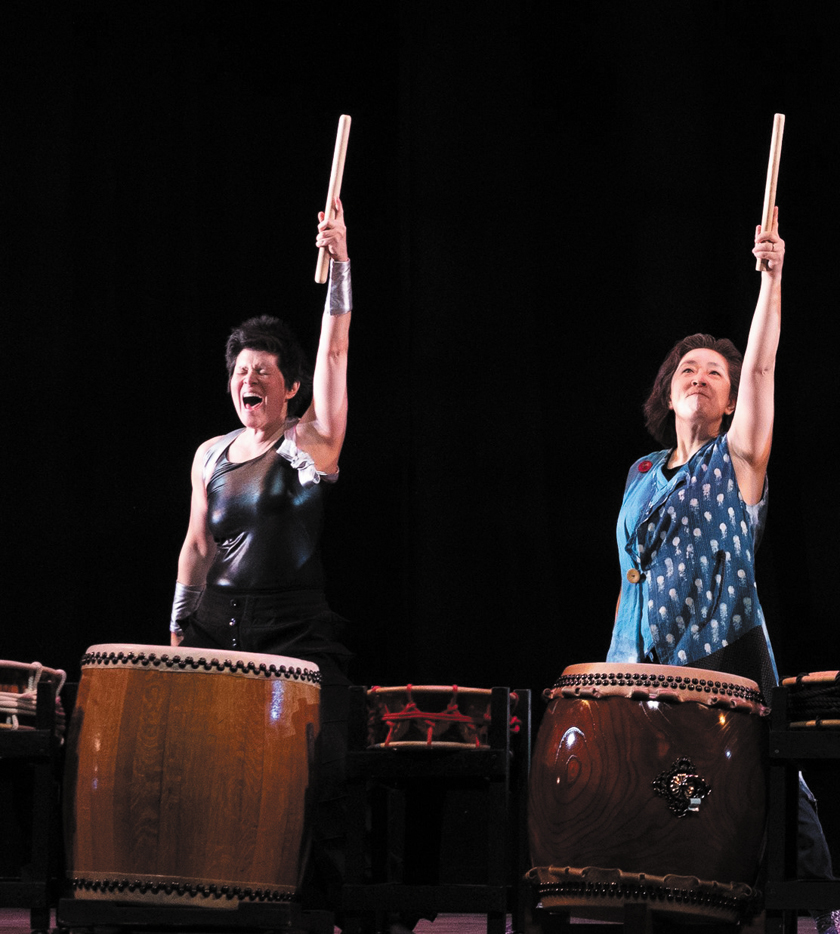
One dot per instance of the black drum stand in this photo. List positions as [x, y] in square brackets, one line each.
[791, 750]
[107, 916]
[397, 802]
[34, 886]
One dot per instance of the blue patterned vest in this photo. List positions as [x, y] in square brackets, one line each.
[688, 544]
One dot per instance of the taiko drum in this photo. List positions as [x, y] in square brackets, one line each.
[188, 775]
[813, 700]
[648, 783]
[428, 716]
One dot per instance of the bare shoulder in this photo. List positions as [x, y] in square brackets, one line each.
[201, 455]
[205, 446]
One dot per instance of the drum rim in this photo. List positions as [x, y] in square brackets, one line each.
[812, 677]
[31, 668]
[450, 689]
[663, 682]
[683, 671]
[177, 887]
[215, 661]
[600, 886]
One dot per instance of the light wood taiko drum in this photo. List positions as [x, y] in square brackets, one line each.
[188, 774]
[647, 785]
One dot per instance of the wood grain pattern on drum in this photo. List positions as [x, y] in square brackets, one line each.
[593, 800]
[188, 784]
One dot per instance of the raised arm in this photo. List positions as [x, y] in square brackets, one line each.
[751, 432]
[321, 430]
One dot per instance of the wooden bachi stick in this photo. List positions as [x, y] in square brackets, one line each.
[334, 191]
[772, 178]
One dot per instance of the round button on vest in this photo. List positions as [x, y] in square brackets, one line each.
[635, 576]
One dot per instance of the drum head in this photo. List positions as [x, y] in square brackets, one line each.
[173, 658]
[670, 683]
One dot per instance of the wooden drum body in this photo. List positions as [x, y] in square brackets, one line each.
[188, 774]
[648, 783]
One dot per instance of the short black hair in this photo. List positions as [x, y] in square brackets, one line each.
[274, 336]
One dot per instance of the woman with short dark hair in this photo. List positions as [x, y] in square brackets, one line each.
[249, 571]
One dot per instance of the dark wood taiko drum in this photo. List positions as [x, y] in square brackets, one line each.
[187, 775]
[647, 784]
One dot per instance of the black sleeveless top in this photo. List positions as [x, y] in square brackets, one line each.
[267, 525]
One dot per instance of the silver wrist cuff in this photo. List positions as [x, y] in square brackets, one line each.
[340, 289]
[185, 601]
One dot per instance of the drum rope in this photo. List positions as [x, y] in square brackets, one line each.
[432, 720]
[18, 705]
[817, 702]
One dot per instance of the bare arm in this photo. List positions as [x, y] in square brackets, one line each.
[751, 432]
[322, 428]
[199, 548]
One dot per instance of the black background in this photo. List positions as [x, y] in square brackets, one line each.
[540, 200]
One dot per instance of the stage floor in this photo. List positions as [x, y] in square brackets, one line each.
[16, 921]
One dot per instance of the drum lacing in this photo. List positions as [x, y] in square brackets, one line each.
[814, 701]
[451, 714]
[412, 712]
[25, 702]
[184, 662]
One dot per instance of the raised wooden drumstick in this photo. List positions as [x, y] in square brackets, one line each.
[323, 266]
[772, 177]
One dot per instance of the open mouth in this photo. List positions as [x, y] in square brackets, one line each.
[251, 401]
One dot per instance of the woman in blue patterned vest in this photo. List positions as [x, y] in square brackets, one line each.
[693, 513]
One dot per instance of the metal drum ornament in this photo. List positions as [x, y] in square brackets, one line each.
[188, 774]
[648, 785]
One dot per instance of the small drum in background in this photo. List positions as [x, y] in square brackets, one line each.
[647, 785]
[428, 716]
[19, 694]
[188, 775]
[813, 700]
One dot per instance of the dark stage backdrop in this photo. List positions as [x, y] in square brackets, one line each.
[539, 204]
